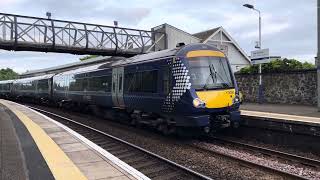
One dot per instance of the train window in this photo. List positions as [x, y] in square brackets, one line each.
[149, 81]
[129, 81]
[120, 82]
[85, 84]
[76, 85]
[133, 82]
[4, 87]
[27, 86]
[166, 83]
[141, 82]
[59, 84]
[102, 84]
[43, 85]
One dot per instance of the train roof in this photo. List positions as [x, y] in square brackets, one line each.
[122, 61]
[47, 76]
[179, 51]
[153, 56]
[6, 81]
[84, 69]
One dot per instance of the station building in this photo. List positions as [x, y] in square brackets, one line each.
[217, 37]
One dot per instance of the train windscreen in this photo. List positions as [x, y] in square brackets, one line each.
[210, 73]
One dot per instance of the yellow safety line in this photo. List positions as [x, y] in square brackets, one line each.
[59, 163]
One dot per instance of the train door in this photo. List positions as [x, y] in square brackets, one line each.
[117, 86]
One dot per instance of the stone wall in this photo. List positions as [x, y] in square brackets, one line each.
[297, 87]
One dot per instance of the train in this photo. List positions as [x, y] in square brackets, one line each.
[187, 89]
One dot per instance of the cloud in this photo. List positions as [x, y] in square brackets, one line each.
[93, 11]
[288, 27]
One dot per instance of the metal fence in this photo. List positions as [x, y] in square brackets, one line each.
[24, 33]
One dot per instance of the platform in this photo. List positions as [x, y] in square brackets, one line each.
[292, 118]
[34, 146]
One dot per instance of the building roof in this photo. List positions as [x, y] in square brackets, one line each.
[173, 27]
[204, 35]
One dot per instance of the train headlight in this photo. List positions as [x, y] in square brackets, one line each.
[236, 99]
[197, 103]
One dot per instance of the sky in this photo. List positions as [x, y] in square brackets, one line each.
[288, 26]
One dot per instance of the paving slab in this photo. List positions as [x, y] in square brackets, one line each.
[73, 147]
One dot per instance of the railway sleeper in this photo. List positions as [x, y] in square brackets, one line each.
[133, 160]
[152, 171]
[140, 161]
[144, 164]
[114, 148]
[123, 151]
[124, 155]
[172, 174]
[106, 145]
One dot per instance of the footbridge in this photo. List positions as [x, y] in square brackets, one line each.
[25, 33]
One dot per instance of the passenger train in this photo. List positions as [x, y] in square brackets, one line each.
[187, 89]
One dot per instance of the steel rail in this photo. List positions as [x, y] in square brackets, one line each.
[176, 165]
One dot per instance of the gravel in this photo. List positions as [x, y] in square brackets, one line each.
[300, 152]
[310, 173]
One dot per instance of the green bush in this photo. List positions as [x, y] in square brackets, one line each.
[278, 65]
[6, 74]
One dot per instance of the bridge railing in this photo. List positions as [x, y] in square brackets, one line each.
[50, 35]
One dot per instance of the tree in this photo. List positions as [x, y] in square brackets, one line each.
[278, 65]
[88, 57]
[6, 74]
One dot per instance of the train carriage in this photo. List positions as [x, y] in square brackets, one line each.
[6, 88]
[37, 88]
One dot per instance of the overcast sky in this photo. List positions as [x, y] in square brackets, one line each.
[288, 26]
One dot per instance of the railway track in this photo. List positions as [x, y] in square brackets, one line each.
[270, 152]
[156, 167]
[150, 164]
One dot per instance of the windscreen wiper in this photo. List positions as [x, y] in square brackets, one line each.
[224, 84]
[212, 72]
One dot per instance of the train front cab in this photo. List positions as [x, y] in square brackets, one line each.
[214, 91]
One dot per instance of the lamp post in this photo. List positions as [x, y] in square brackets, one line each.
[318, 54]
[260, 98]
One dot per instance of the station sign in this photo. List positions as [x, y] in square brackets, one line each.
[260, 56]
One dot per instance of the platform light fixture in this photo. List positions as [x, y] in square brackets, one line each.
[48, 14]
[249, 6]
[115, 23]
[318, 54]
